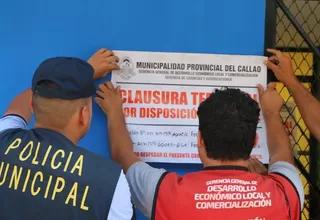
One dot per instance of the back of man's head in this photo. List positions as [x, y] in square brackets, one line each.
[56, 113]
[228, 121]
[62, 90]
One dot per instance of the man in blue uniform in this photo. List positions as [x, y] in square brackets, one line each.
[43, 174]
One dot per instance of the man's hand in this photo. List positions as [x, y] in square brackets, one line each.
[281, 66]
[270, 100]
[103, 62]
[121, 146]
[277, 138]
[110, 99]
[255, 166]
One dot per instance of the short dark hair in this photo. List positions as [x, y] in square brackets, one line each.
[228, 121]
[53, 112]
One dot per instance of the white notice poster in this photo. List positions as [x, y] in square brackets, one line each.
[161, 93]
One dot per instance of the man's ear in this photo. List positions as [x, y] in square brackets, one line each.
[84, 118]
[200, 140]
[31, 105]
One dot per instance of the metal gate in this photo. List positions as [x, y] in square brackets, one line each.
[293, 26]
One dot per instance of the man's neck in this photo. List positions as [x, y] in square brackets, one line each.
[212, 163]
[64, 132]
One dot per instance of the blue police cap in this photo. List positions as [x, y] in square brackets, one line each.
[73, 77]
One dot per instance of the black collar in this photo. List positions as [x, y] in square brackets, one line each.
[226, 167]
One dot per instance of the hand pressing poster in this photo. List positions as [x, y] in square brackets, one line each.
[162, 91]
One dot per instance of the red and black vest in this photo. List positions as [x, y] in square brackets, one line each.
[225, 192]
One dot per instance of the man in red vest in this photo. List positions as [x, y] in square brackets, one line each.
[225, 188]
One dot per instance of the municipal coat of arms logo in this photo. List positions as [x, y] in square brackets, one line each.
[126, 68]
